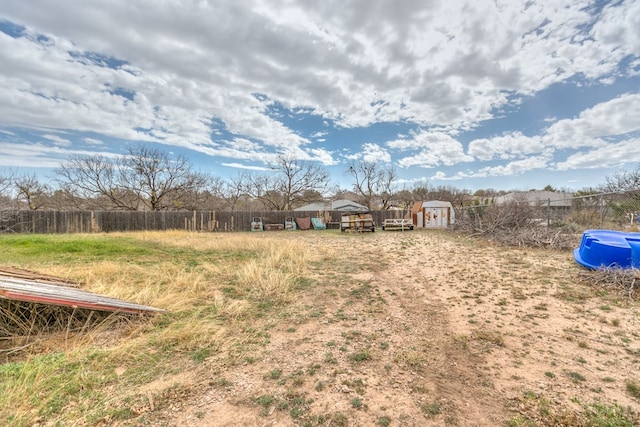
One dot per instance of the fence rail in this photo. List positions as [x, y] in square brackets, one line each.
[51, 222]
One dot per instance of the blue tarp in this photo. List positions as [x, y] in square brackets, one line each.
[318, 224]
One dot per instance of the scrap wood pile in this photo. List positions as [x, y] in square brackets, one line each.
[621, 281]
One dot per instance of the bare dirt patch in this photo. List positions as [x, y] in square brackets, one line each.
[419, 328]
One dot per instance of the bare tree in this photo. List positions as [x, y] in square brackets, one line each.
[624, 182]
[157, 180]
[146, 178]
[234, 191]
[624, 194]
[454, 195]
[373, 181]
[31, 192]
[292, 183]
[6, 184]
[96, 181]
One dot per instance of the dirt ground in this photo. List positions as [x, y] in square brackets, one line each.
[419, 328]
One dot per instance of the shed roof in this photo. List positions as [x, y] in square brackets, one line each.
[417, 206]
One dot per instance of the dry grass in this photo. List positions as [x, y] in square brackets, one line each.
[211, 285]
[333, 318]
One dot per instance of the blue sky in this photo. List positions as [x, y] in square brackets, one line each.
[471, 94]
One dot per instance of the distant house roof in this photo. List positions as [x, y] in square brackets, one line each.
[535, 198]
[336, 205]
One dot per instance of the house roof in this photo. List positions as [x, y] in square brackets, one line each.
[335, 205]
[554, 198]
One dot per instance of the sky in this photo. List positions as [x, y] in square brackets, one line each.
[478, 94]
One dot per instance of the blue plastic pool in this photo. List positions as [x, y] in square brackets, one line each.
[608, 248]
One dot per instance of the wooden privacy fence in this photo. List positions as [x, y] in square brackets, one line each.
[47, 222]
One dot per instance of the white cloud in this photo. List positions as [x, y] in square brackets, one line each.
[372, 153]
[516, 167]
[430, 62]
[38, 155]
[174, 71]
[431, 149]
[248, 167]
[610, 118]
[57, 140]
[611, 155]
[508, 146]
[619, 27]
[93, 141]
[442, 176]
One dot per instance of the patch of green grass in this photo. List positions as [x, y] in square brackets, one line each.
[600, 415]
[360, 356]
[200, 355]
[62, 248]
[576, 376]
[633, 388]
[431, 409]
[313, 368]
[384, 421]
[356, 403]
[535, 410]
[274, 374]
[266, 401]
[48, 382]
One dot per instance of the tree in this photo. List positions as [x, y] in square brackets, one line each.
[30, 191]
[6, 185]
[96, 181]
[626, 203]
[372, 181]
[292, 183]
[624, 182]
[145, 178]
[158, 181]
[404, 199]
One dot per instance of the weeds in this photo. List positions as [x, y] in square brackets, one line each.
[204, 283]
[633, 388]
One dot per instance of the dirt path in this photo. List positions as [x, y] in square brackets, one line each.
[418, 329]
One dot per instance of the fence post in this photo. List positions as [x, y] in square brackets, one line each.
[601, 211]
[548, 211]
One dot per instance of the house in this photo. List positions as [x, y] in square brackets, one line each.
[433, 214]
[336, 205]
[537, 198]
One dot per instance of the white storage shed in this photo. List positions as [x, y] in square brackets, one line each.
[433, 214]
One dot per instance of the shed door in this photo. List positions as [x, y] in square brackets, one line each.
[435, 217]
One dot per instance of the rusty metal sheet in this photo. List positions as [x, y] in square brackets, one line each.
[303, 223]
[33, 291]
[21, 273]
